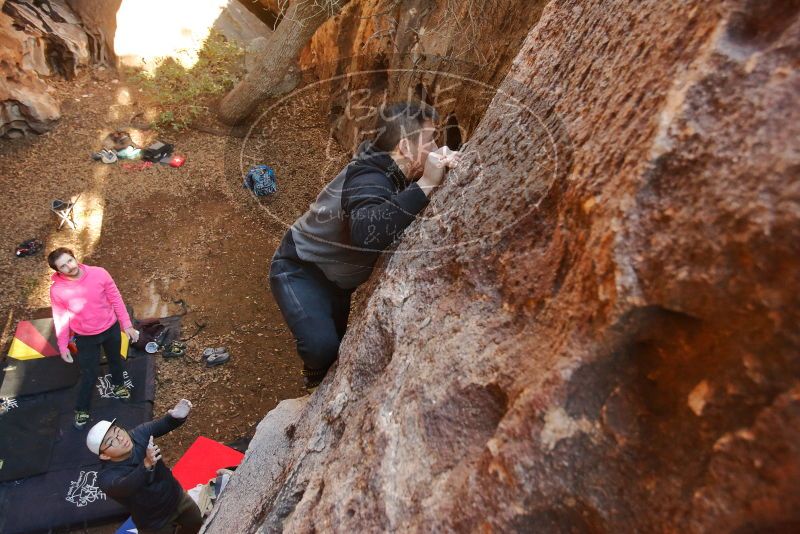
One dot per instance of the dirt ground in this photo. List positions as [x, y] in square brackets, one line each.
[166, 234]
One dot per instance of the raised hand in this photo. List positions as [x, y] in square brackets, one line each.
[181, 410]
[153, 454]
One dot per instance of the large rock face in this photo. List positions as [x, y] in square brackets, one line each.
[99, 17]
[377, 50]
[594, 328]
[37, 40]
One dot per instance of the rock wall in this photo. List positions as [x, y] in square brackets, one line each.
[594, 326]
[99, 17]
[39, 40]
[384, 49]
[239, 25]
[26, 105]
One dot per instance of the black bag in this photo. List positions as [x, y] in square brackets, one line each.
[157, 151]
[150, 330]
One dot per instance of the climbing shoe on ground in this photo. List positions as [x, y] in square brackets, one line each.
[106, 156]
[174, 350]
[312, 378]
[209, 352]
[81, 418]
[217, 358]
[122, 393]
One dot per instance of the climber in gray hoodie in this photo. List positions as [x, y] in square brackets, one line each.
[332, 247]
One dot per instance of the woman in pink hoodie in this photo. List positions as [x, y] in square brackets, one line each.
[86, 302]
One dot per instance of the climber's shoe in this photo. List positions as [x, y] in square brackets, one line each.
[312, 378]
[173, 350]
[81, 418]
[122, 393]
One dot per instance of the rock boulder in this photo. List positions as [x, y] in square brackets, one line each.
[37, 40]
[593, 327]
[26, 104]
[391, 50]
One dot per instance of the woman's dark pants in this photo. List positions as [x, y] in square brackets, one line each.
[89, 361]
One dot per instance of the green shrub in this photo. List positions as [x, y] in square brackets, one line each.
[183, 95]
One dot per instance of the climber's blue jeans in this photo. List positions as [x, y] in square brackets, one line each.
[315, 309]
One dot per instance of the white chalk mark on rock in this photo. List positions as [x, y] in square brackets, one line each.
[559, 425]
[699, 397]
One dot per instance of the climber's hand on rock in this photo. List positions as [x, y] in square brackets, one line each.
[66, 355]
[436, 165]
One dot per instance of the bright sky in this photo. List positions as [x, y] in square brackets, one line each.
[151, 29]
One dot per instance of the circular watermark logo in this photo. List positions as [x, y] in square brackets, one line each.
[342, 197]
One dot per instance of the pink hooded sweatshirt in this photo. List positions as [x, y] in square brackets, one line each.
[87, 306]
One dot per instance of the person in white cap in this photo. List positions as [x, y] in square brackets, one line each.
[134, 475]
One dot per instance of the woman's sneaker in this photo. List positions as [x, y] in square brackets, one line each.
[122, 393]
[81, 418]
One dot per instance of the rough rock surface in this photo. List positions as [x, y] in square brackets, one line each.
[99, 17]
[594, 329]
[259, 472]
[38, 39]
[56, 42]
[416, 47]
[26, 105]
[239, 25]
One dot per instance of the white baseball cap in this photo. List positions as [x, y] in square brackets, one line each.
[96, 434]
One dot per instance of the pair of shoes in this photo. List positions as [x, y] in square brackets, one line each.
[81, 418]
[208, 352]
[29, 247]
[216, 356]
[105, 155]
[175, 349]
[122, 393]
[312, 378]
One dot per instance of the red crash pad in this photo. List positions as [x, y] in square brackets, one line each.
[201, 461]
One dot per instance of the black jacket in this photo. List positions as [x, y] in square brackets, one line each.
[378, 201]
[359, 213]
[151, 496]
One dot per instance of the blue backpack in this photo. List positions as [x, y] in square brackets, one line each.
[261, 180]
